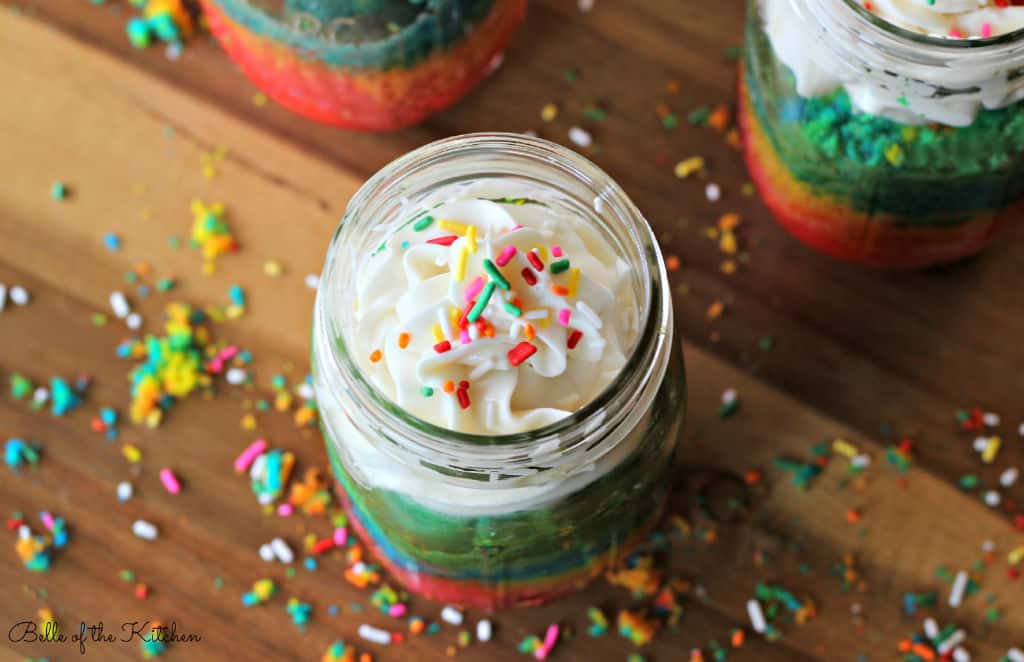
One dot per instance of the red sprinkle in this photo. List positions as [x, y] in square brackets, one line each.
[574, 338]
[463, 322]
[529, 276]
[442, 347]
[447, 240]
[463, 396]
[520, 353]
[321, 546]
[535, 260]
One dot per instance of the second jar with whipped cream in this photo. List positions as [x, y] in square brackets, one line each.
[888, 132]
[496, 371]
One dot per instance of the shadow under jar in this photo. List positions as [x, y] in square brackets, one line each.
[879, 144]
[491, 520]
[375, 65]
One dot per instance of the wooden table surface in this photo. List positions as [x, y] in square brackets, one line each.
[860, 355]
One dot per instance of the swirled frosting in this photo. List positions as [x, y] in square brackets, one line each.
[492, 312]
[906, 97]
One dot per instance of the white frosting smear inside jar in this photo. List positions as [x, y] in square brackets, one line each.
[965, 19]
[491, 317]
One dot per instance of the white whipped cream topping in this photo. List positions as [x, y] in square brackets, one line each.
[413, 287]
[819, 70]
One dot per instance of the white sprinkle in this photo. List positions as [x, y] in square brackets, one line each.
[236, 376]
[3, 297]
[931, 628]
[264, 498]
[988, 546]
[514, 328]
[961, 655]
[474, 332]
[305, 391]
[124, 491]
[580, 137]
[956, 595]
[1009, 477]
[24, 532]
[756, 616]
[539, 314]
[266, 552]
[133, 321]
[990, 419]
[861, 461]
[484, 630]
[589, 314]
[1015, 655]
[119, 304]
[481, 370]
[312, 281]
[713, 192]
[19, 295]
[282, 551]
[451, 615]
[145, 530]
[445, 322]
[856, 608]
[40, 395]
[954, 640]
[729, 396]
[585, 5]
[992, 498]
[359, 568]
[980, 444]
[376, 635]
[173, 51]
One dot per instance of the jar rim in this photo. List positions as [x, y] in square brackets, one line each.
[946, 44]
[655, 324]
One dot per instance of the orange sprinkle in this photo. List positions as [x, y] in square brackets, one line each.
[853, 515]
[449, 386]
[752, 477]
[417, 626]
[365, 657]
[560, 290]
[719, 118]
[738, 637]
[376, 355]
[734, 139]
[729, 221]
[403, 339]
[673, 87]
[489, 330]
[672, 262]
[729, 267]
[715, 310]
[530, 333]
[142, 268]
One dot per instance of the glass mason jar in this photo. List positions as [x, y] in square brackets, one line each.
[511, 519]
[365, 64]
[877, 144]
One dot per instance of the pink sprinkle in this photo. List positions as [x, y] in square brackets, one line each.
[556, 251]
[464, 337]
[341, 536]
[986, 29]
[505, 255]
[956, 34]
[215, 366]
[396, 610]
[473, 289]
[551, 636]
[285, 510]
[170, 481]
[249, 455]
[228, 353]
[47, 518]
[563, 316]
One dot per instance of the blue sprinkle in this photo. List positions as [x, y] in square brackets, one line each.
[112, 242]
[143, 291]
[332, 610]
[311, 564]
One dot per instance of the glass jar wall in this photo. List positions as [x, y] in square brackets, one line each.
[878, 144]
[497, 520]
[365, 64]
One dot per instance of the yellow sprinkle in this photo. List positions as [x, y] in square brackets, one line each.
[574, 281]
[729, 221]
[248, 422]
[460, 263]
[131, 453]
[687, 167]
[909, 134]
[542, 253]
[1016, 556]
[844, 448]
[988, 455]
[272, 268]
[549, 112]
[259, 99]
[471, 238]
[453, 316]
[894, 154]
[728, 244]
[729, 267]
[544, 322]
[452, 226]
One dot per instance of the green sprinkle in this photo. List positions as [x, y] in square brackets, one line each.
[969, 482]
[699, 116]
[512, 309]
[732, 53]
[481, 303]
[173, 242]
[98, 319]
[218, 582]
[127, 575]
[58, 191]
[497, 278]
[165, 284]
[571, 75]
[427, 391]
[423, 223]
[670, 121]
[595, 113]
[131, 277]
[558, 266]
